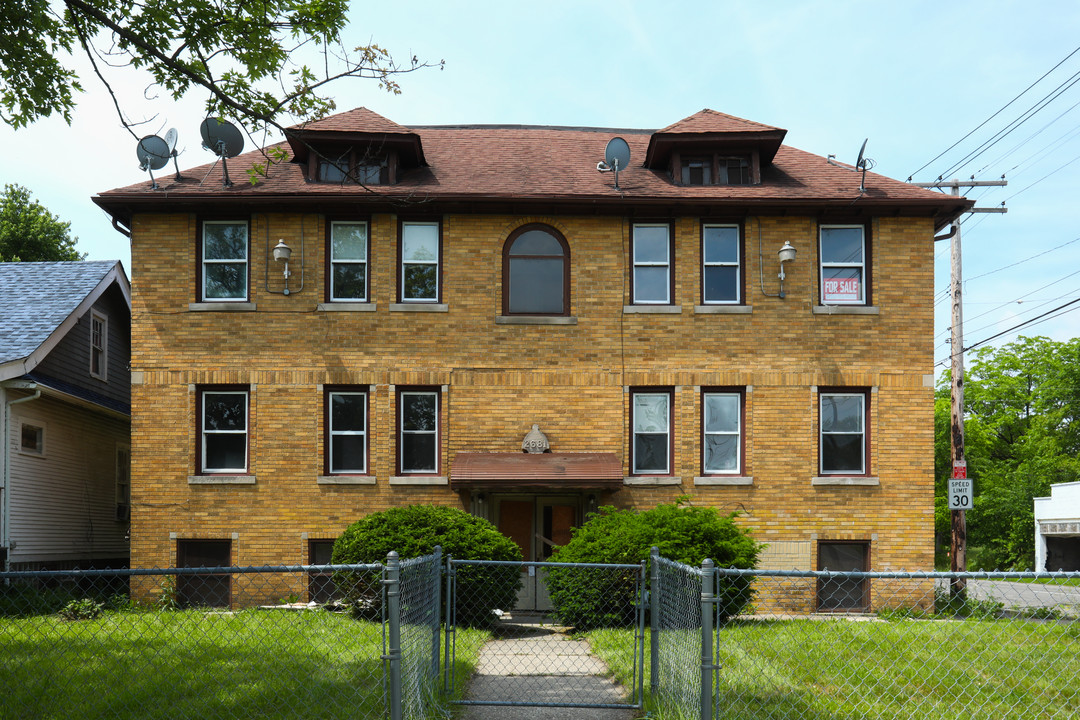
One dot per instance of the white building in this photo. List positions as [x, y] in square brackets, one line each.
[1057, 528]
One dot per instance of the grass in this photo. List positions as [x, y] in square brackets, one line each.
[823, 670]
[277, 665]
[1066, 582]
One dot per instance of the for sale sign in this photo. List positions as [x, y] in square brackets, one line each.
[841, 290]
[960, 495]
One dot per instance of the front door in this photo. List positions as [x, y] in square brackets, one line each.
[538, 524]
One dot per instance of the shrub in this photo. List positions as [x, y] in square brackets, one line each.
[681, 533]
[415, 530]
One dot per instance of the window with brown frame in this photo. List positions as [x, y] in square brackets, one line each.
[843, 431]
[418, 431]
[652, 281]
[722, 431]
[713, 170]
[353, 167]
[536, 272]
[420, 266]
[346, 431]
[223, 429]
[651, 437]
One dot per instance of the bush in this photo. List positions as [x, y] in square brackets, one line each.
[415, 530]
[681, 533]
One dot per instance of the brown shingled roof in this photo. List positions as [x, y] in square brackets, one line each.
[548, 169]
[356, 120]
[711, 121]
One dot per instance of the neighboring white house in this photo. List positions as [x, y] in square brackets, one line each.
[65, 414]
[1057, 528]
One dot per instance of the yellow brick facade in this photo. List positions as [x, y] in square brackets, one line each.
[496, 380]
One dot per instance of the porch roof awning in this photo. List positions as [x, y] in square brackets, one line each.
[507, 470]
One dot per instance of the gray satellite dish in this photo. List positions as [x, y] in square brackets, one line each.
[616, 158]
[153, 154]
[863, 163]
[170, 140]
[223, 139]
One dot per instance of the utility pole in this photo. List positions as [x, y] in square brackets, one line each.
[959, 503]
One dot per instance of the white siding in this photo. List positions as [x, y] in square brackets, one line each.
[63, 504]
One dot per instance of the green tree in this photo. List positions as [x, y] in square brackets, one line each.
[29, 232]
[1022, 406]
[256, 62]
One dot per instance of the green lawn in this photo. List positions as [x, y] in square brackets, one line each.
[196, 664]
[918, 669]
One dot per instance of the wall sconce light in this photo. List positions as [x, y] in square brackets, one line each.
[786, 254]
[283, 252]
[590, 504]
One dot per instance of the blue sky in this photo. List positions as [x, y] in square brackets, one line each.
[913, 77]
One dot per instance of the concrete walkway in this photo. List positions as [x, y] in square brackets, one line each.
[528, 661]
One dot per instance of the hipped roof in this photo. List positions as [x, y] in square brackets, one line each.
[518, 168]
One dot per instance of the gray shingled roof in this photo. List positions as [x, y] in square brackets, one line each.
[36, 297]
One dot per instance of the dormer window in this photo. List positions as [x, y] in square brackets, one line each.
[712, 170]
[352, 167]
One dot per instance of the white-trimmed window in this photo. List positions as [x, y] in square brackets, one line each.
[721, 273]
[420, 255]
[722, 432]
[123, 482]
[224, 261]
[843, 446]
[843, 265]
[650, 444]
[651, 249]
[99, 345]
[348, 261]
[347, 424]
[32, 437]
[418, 431]
[223, 428]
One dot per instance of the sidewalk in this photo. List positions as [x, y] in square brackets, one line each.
[533, 662]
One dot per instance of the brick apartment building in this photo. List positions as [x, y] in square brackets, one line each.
[451, 288]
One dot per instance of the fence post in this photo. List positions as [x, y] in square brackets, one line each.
[708, 601]
[393, 651]
[435, 612]
[654, 620]
[450, 639]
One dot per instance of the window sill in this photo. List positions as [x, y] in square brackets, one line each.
[846, 310]
[419, 307]
[844, 480]
[723, 480]
[221, 479]
[723, 309]
[345, 480]
[345, 306]
[535, 320]
[221, 306]
[652, 309]
[652, 480]
[419, 480]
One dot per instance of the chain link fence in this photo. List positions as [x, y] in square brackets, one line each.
[281, 642]
[865, 645]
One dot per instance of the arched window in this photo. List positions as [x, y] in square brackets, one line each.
[536, 272]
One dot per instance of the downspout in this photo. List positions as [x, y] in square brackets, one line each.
[5, 506]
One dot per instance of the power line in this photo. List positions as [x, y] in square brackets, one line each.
[1001, 110]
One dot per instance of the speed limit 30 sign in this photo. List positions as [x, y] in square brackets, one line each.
[960, 494]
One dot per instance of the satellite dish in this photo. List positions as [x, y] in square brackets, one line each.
[170, 140]
[153, 154]
[221, 137]
[617, 154]
[616, 158]
[863, 163]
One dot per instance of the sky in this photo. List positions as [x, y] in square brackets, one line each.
[958, 89]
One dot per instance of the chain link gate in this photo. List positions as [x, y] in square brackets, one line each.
[542, 659]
